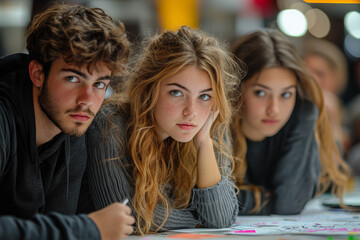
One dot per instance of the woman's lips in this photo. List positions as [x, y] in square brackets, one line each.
[270, 121]
[186, 126]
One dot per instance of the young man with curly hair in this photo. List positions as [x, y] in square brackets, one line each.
[48, 98]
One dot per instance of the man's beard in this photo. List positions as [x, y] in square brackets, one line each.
[49, 108]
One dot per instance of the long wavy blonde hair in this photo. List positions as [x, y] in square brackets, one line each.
[270, 48]
[158, 164]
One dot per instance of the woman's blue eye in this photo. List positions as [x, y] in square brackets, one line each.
[175, 93]
[260, 93]
[287, 95]
[205, 97]
[72, 79]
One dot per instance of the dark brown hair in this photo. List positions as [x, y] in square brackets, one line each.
[80, 35]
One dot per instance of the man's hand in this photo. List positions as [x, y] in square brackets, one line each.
[114, 221]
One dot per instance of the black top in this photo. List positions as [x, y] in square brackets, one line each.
[36, 181]
[287, 164]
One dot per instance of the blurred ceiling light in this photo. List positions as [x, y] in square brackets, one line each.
[352, 46]
[292, 22]
[14, 15]
[319, 23]
[302, 7]
[352, 23]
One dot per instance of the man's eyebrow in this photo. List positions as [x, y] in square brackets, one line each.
[75, 71]
[83, 75]
[182, 87]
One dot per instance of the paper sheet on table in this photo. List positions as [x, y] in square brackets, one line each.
[336, 223]
[318, 224]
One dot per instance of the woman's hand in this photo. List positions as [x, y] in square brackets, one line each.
[204, 134]
[208, 173]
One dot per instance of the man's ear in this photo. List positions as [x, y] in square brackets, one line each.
[36, 73]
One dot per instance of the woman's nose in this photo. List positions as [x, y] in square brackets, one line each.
[273, 107]
[189, 108]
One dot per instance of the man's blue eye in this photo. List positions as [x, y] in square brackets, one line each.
[72, 79]
[100, 85]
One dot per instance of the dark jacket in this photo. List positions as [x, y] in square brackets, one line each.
[39, 186]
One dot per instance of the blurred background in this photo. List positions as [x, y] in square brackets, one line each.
[327, 34]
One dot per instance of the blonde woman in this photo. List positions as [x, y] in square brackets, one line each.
[282, 138]
[154, 143]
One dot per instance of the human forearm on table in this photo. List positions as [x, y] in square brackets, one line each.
[208, 173]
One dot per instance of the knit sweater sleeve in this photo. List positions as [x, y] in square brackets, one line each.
[110, 181]
[217, 206]
[297, 172]
[213, 207]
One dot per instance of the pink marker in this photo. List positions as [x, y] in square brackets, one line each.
[245, 231]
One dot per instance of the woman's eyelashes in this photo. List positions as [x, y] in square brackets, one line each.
[259, 93]
[287, 95]
[263, 93]
[176, 93]
[203, 97]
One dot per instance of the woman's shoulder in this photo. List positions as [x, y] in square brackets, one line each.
[109, 113]
[108, 121]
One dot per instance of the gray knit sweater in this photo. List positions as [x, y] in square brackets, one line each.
[112, 181]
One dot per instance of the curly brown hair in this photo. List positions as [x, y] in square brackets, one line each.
[80, 35]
